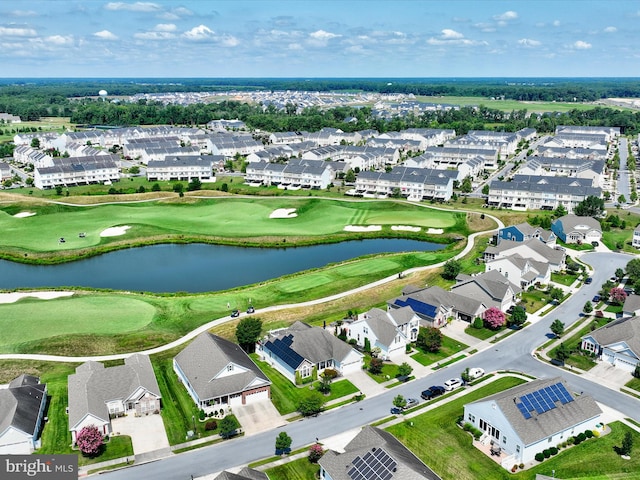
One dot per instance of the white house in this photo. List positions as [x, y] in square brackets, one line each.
[302, 352]
[390, 330]
[617, 343]
[97, 394]
[22, 407]
[491, 288]
[532, 249]
[575, 229]
[183, 167]
[521, 271]
[532, 417]
[635, 240]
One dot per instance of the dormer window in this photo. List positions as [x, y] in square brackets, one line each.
[230, 367]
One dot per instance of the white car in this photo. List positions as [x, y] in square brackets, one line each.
[475, 373]
[452, 384]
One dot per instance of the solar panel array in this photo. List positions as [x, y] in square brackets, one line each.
[374, 465]
[282, 348]
[543, 400]
[418, 306]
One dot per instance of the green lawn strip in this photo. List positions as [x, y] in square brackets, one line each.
[482, 333]
[631, 420]
[389, 370]
[534, 300]
[32, 319]
[583, 362]
[339, 388]
[449, 362]
[613, 308]
[616, 236]
[276, 458]
[443, 446]
[449, 347]
[179, 411]
[633, 384]
[510, 105]
[116, 447]
[565, 279]
[224, 218]
[110, 467]
[284, 394]
[507, 332]
[300, 469]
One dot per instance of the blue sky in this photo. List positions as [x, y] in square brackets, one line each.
[319, 38]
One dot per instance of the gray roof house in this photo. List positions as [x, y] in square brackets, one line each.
[374, 454]
[302, 352]
[491, 288]
[245, 474]
[97, 394]
[575, 229]
[617, 343]
[631, 306]
[531, 249]
[531, 417]
[217, 372]
[22, 406]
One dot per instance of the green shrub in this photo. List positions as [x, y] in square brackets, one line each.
[553, 450]
[478, 323]
[539, 456]
[211, 425]
[467, 427]
[521, 466]
[202, 415]
[588, 433]
[582, 437]
[571, 440]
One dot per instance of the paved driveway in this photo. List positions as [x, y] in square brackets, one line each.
[607, 374]
[258, 416]
[147, 433]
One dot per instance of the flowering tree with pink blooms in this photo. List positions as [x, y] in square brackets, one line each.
[494, 318]
[89, 441]
[617, 295]
[315, 452]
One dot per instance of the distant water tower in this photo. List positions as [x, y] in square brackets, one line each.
[103, 94]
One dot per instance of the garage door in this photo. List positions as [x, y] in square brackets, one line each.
[257, 396]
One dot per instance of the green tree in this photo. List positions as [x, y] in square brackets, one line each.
[399, 401]
[367, 345]
[562, 352]
[592, 206]
[464, 376]
[228, 426]
[622, 199]
[194, 184]
[485, 189]
[248, 332]
[404, 369]
[224, 187]
[619, 273]
[35, 142]
[429, 339]
[466, 186]
[557, 328]
[375, 366]
[134, 170]
[325, 384]
[588, 307]
[350, 176]
[155, 187]
[518, 316]
[59, 190]
[283, 442]
[627, 444]
[29, 181]
[178, 187]
[451, 269]
[556, 293]
[141, 189]
[310, 403]
[560, 211]
[633, 269]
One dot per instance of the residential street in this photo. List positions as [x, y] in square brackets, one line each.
[513, 353]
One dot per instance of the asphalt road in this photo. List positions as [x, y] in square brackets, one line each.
[513, 353]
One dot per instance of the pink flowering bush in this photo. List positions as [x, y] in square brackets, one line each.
[89, 441]
[494, 318]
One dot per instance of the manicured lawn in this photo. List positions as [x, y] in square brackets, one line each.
[56, 437]
[301, 469]
[222, 218]
[565, 279]
[449, 347]
[613, 308]
[583, 362]
[510, 105]
[436, 439]
[32, 319]
[482, 333]
[634, 384]
[284, 394]
[117, 447]
[615, 236]
[178, 408]
[534, 300]
[339, 388]
[389, 370]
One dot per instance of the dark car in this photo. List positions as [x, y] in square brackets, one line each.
[595, 244]
[432, 392]
[235, 313]
[588, 280]
[396, 411]
[439, 390]
[595, 299]
[251, 309]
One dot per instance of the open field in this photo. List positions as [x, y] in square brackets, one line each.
[509, 105]
[223, 220]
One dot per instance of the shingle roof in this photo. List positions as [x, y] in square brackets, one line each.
[20, 404]
[245, 474]
[209, 355]
[543, 425]
[623, 330]
[369, 440]
[381, 325]
[572, 222]
[631, 303]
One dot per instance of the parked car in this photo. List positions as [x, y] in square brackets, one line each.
[396, 411]
[588, 280]
[595, 244]
[411, 402]
[432, 392]
[475, 373]
[595, 299]
[452, 384]
[437, 389]
[235, 313]
[251, 309]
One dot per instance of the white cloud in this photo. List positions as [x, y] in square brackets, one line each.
[200, 32]
[105, 35]
[59, 40]
[15, 31]
[556, 23]
[322, 35]
[165, 27]
[610, 30]
[506, 16]
[486, 27]
[448, 34]
[529, 42]
[154, 35]
[580, 45]
[229, 41]
[133, 7]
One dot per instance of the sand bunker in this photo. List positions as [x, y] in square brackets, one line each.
[15, 296]
[435, 231]
[284, 213]
[24, 214]
[407, 228]
[360, 228]
[115, 231]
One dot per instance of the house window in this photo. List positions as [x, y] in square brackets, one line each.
[517, 448]
[229, 368]
[504, 439]
[305, 371]
[471, 418]
[550, 439]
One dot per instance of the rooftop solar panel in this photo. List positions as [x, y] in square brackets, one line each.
[374, 465]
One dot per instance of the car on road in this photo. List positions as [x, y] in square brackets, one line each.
[588, 280]
[475, 373]
[396, 411]
[235, 313]
[411, 402]
[452, 384]
[432, 392]
[595, 299]
[251, 309]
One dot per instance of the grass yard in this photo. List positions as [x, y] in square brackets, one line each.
[533, 300]
[389, 370]
[117, 447]
[613, 308]
[509, 105]
[221, 219]
[616, 236]
[340, 387]
[576, 359]
[32, 319]
[449, 347]
[300, 469]
[482, 333]
[565, 279]
[634, 384]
